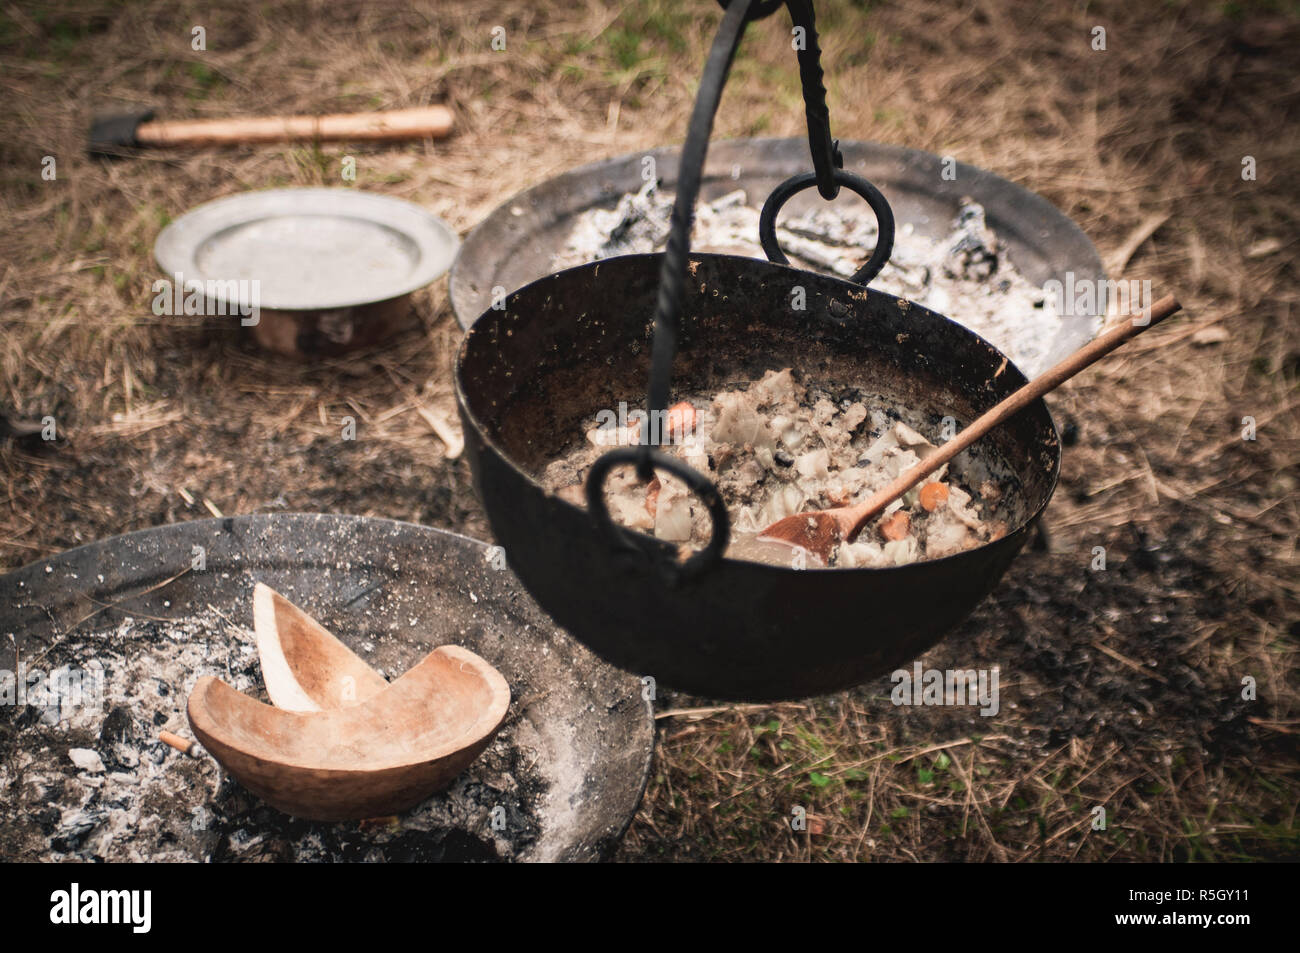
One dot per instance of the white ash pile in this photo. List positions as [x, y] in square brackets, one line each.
[966, 275]
[94, 783]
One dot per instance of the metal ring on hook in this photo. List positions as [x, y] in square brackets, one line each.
[698, 483]
[763, 8]
[856, 183]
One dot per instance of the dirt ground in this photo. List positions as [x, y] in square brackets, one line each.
[1121, 687]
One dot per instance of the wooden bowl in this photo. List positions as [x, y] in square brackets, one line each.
[304, 667]
[372, 759]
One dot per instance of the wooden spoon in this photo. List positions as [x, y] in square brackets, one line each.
[373, 759]
[819, 532]
[304, 666]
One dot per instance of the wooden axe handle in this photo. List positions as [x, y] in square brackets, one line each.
[425, 122]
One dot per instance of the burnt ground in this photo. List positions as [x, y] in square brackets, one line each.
[1120, 687]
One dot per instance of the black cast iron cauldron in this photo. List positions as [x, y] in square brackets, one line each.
[530, 378]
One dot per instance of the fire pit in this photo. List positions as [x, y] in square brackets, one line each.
[525, 238]
[121, 629]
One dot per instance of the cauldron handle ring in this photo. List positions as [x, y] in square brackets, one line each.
[796, 184]
[698, 483]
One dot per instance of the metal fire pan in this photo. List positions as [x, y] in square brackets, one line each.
[366, 579]
[517, 243]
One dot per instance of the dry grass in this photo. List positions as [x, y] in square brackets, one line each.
[1125, 683]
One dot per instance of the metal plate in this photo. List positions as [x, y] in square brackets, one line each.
[404, 588]
[309, 249]
[516, 244]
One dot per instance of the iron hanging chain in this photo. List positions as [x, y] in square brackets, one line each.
[828, 163]
[690, 173]
[646, 457]
[826, 155]
[758, 8]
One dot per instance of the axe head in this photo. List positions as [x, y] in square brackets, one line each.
[114, 136]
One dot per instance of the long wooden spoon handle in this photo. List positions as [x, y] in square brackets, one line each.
[1049, 380]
